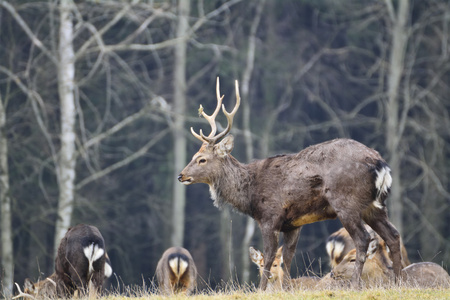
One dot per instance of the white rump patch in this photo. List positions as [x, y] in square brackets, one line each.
[383, 184]
[178, 266]
[93, 252]
[335, 248]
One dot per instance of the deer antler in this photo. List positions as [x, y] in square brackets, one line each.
[211, 138]
[21, 294]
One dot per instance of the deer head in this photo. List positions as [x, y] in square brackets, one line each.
[276, 271]
[205, 163]
[377, 268]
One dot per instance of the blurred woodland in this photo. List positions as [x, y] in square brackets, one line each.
[97, 99]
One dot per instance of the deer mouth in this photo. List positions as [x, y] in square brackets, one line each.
[184, 180]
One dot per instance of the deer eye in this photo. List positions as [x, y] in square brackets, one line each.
[201, 161]
[352, 260]
[275, 266]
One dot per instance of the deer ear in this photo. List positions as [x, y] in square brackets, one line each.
[279, 254]
[255, 255]
[372, 249]
[225, 146]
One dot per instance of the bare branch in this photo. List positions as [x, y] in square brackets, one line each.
[34, 39]
[123, 162]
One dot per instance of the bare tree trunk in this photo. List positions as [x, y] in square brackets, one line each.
[7, 260]
[393, 129]
[179, 191]
[250, 223]
[66, 163]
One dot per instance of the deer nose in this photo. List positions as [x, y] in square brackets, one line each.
[180, 177]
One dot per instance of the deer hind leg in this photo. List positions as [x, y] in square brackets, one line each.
[290, 244]
[380, 224]
[353, 224]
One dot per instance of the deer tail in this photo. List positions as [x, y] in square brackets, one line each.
[383, 182]
[178, 263]
[93, 252]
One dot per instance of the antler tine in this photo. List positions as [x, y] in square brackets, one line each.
[230, 116]
[211, 119]
[21, 294]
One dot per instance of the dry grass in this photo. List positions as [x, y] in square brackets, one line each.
[234, 292]
[369, 294]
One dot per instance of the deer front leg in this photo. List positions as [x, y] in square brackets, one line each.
[290, 244]
[270, 242]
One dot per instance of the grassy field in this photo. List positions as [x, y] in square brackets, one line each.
[369, 294]
[251, 293]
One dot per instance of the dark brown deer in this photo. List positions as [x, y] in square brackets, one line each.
[81, 265]
[339, 178]
[176, 272]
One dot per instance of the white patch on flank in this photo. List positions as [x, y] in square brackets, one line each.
[382, 183]
[93, 252]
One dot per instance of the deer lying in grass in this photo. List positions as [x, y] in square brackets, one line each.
[339, 178]
[276, 272]
[81, 265]
[340, 243]
[378, 270]
[176, 272]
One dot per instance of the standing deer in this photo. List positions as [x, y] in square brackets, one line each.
[81, 264]
[378, 269]
[275, 280]
[339, 178]
[339, 243]
[176, 272]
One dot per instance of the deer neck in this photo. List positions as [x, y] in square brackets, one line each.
[232, 185]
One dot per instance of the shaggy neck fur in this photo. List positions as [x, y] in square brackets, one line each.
[231, 186]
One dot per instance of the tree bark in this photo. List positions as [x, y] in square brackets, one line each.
[179, 190]
[7, 260]
[66, 162]
[393, 134]
[250, 223]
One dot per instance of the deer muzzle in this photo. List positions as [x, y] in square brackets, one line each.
[184, 180]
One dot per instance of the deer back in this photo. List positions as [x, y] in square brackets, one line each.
[176, 272]
[426, 275]
[81, 257]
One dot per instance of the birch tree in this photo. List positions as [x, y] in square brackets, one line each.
[7, 261]
[67, 159]
[245, 86]
[395, 124]
[179, 86]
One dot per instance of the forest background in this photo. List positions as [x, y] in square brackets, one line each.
[97, 98]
